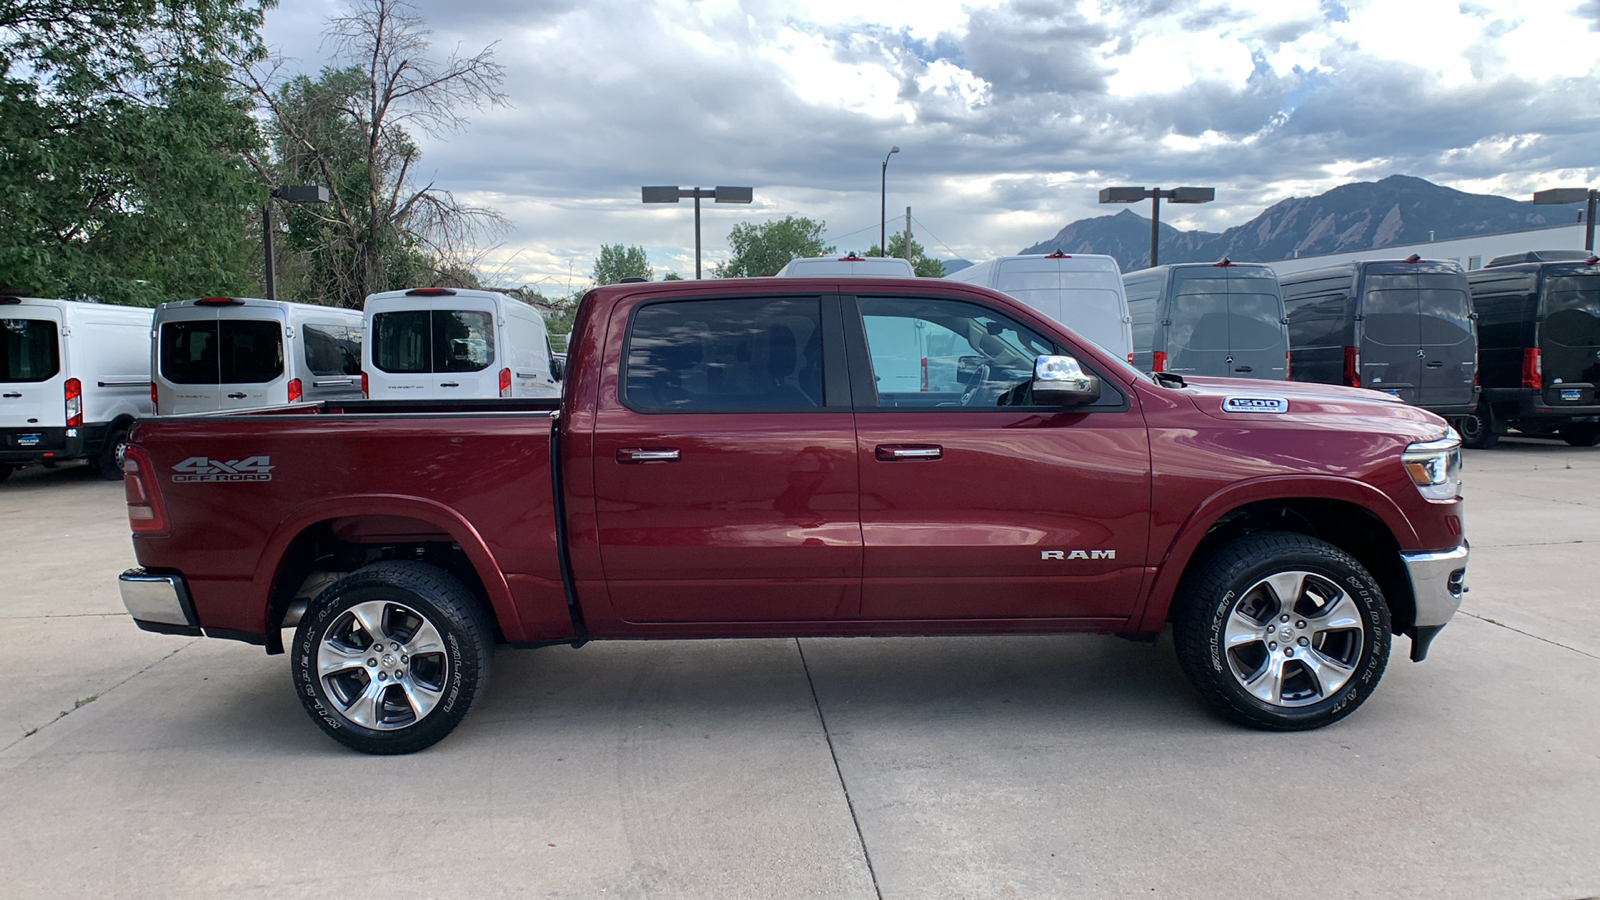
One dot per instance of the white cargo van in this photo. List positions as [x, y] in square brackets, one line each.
[859, 266]
[221, 353]
[455, 343]
[1081, 291]
[73, 377]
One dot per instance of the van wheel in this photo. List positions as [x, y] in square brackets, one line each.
[389, 658]
[1282, 632]
[1581, 434]
[109, 462]
[5, 470]
[1477, 429]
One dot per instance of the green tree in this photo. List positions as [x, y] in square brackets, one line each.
[617, 262]
[765, 248]
[121, 154]
[924, 265]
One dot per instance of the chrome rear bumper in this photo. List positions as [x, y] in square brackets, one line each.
[158, 603]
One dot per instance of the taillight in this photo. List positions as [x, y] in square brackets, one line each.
[1158, 361]
[146, 515]
[1130, 359]
[505, 382]
[296, 390]
[1475, 364]
[74, 403]
[155, 402]
[1532, 368]
[1352, 366]
[365, 392]
[1288, 365]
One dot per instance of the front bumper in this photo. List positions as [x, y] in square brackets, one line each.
[159, 603]
[1437, 583]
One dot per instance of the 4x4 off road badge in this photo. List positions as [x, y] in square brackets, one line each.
[199, 468]
[1238, 404]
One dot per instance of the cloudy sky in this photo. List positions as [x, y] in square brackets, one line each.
[1009, 115]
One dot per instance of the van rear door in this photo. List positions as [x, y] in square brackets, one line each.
[436, 347]
[1196, 323]
[215, 356]
[1258, 340]
[1449, 340]
[1569, 334]
[1391, 335]
[1088, 301]
[32, 375]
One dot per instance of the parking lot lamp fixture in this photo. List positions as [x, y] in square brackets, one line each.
[1155, 195]
[1563, 196]
[883, 204]
[288, 193]
[720, 194]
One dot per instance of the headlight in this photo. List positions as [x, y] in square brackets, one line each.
[1435, 467]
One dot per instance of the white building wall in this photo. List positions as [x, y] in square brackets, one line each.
[1471, 252]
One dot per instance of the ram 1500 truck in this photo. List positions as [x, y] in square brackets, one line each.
[806, 457]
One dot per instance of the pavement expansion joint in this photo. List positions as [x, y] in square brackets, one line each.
[1527, 633]
[839, 771]
[101, 695]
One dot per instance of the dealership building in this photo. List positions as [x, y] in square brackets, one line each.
[1471, 252]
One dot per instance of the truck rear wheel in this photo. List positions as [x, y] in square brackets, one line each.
[1581, 434]
[1282, 632]
[389, 658]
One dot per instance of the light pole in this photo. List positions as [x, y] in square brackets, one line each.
[721, 194]
[1154, 195]
[288, 193]
[883, 204]
[1563, 196]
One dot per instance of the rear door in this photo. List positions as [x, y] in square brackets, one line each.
[443, 347]
[187, 371]
[725, 466]
[1448, 339]
[1569, 335]
[1258, 340]
[32, 374]
[1392, 355]
[1196, 323]
[331, 351]
[250, 354]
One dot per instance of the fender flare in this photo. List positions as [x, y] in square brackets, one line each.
[1158, 601]
[446, 519]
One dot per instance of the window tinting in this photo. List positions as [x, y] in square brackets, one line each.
[332, 349]
[251, 350]
[1572, 310]
[1255, 321]
[29, 350]
[725, 356]
[1446, 315]
[419, 341]
[933, 353]
[189, 352]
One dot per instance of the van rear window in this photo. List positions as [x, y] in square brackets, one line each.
[29, 350]
[1572, 310]
[230, 351]
[416, 341]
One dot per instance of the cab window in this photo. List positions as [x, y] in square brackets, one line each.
[734, 355]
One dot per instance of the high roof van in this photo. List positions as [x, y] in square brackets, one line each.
[1081, 291]
[1222, 319]
[1404, 327]
[1539, 347]
[456, 343]
[858, 266]
[73, 377]
[220, 353]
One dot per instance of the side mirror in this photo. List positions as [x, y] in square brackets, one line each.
[1061, 381]
[558, 367]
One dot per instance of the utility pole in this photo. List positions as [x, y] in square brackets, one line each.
[908, 234]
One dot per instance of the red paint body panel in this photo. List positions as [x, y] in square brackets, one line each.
[786, 523]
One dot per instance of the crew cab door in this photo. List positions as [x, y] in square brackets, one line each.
[974, 507]
[725, 463]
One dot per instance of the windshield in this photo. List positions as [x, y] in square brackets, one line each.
[28, 350]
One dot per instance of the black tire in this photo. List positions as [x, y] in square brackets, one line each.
[5, 470]
[1478, 429]
[1346, 636]
[109, 462]
[409, 597]
[1581, 434]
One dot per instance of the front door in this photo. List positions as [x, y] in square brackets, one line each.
[975, 505]
[725, 466]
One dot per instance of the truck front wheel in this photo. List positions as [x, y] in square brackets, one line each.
[389, 658]
[1282, 632]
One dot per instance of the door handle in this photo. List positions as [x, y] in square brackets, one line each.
[449, 384]
[236, 396]
[333, 381]
[896, 452]
[11, 395]
[1245, 369]
[647, 455]
[1436, 364]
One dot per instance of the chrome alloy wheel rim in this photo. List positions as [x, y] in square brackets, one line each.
[383, 665]
[1293, 639]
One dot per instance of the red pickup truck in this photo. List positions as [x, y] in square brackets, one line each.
[806, 457]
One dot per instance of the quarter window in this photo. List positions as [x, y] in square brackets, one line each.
[732, 355]
[332, 349]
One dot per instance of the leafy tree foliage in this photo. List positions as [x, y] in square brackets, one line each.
[617, 262]
[763, 249]
[121, 147]
[924, 265]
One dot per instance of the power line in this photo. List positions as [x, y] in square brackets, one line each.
[834, 237]
[935, 237]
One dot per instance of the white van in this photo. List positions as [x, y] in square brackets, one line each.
[1081, 291]
[430, 343]
[858, 266]
[221, 353]
[73, 377]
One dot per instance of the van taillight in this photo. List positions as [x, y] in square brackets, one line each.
[505, 382]
[155, 402]
[365, 392]
[1158, 361]
[1476, 362]
[1130, 359]
[1288, 365]
[1352, 366]
[296, 390]
[74, 403]
[1532, 368]
[146, 515]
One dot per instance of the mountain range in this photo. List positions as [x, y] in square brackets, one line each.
[1399, 209]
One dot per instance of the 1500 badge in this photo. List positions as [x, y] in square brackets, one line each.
[1255, 405]
[199, 468]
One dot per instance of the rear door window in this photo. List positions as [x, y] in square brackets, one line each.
[232, 351]
[417, 341]
[1199, 315]
[29, 350]
[725, 356]
[1255, 322]
[1572, 310]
